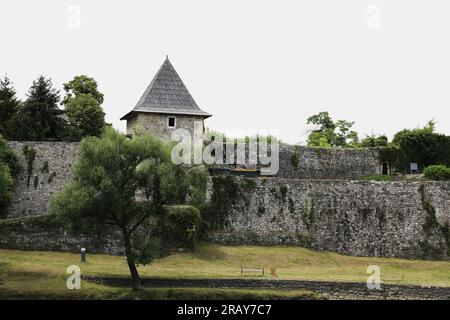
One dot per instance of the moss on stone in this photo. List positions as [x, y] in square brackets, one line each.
[51, 176]
[291, 205]
[44, 168]
[295, 159]
[308, 215]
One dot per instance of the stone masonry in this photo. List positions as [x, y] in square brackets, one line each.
[327, 163]
[357, 218]
[157, 124]
[34, 199]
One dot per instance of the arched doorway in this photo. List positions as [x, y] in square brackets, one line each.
[385, 169]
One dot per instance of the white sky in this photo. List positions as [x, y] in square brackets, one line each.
[252, 64]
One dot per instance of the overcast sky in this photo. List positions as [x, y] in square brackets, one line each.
[252, 64]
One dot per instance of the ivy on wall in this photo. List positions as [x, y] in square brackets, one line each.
[308, 215]
[51, 176]
[280, 193]
[44, 168]
[436, 237]
[30, 155]
[227, 190]
[295, 158]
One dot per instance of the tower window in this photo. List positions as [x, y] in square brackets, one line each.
[171, 122]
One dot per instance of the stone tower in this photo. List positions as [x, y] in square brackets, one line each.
[166, 105]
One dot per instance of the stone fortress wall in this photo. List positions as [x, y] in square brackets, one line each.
[359, 218]
[295, 162]
[313, 201]
[50, 171]
[298, 162]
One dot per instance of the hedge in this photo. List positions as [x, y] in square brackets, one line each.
[437, 172]
[181, 225]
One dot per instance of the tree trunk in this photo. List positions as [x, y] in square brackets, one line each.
[136, 281]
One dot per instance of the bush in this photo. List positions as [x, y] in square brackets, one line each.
[6, 185]
[8, 157]
[181, 225]
[197, 178]
[437, 172]
[9, 168]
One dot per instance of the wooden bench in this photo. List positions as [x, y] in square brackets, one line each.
[252, 270]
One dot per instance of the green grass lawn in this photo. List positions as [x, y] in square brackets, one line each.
[35, 273]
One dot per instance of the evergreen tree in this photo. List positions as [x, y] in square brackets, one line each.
[39, 118]
[8, 107]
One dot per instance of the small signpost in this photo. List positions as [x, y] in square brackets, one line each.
[83, 254]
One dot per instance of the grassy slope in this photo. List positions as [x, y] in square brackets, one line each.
[212, 260]
[24, 285]
[19, 281]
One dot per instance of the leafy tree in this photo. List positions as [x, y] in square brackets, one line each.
[83, 108]
[86, 117]
[8, 106]
[345, 137]
[39, 118]
[82, 85]
[120, 183]
[331, 134]
[319, 139]
[323, 120]
[373, 141]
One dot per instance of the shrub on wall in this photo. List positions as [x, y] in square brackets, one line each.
[197, 178]
[6, 186]
[224, 195]
[181, 225]
[9, 168]
[437, 172]
[227, 190]
[8, 157]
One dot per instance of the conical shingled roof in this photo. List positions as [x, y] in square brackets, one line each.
[167, 94]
